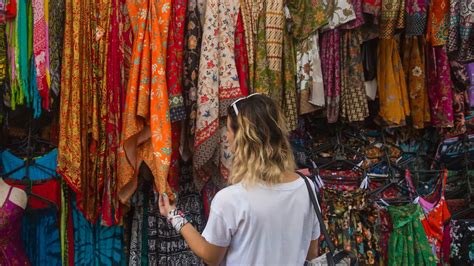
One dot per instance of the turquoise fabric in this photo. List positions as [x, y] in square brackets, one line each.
[9, 162]
[95, 244]
[40, 234]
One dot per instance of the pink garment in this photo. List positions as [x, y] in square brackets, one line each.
[40, 49]
[440, 87]
[11, 246]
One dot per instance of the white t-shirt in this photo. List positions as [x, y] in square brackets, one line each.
[263, 225]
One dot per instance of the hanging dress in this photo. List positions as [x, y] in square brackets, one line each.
[436, 214]
[146, 130]
[351, 222]
[408, 244]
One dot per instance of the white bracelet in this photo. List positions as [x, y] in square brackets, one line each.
[177, 219]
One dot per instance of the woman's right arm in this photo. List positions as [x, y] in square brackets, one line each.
[211, 254]
[313, 250]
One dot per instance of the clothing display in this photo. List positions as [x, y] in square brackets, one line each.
[105, 105]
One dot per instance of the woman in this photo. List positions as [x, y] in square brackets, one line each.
[265, 217]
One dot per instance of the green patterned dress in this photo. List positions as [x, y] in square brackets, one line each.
[408, 244]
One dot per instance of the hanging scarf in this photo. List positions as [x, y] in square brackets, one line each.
[218, 87]
[83, 112]
[55, 37]
[146, 130]
[241, 57]
[115, 58]
[174, 60]
[41, 50]
[440, 88]
[190, 76]
[330, 64]
[174, 75]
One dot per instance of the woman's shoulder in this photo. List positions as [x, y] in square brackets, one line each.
[230, 192]
[229, 196]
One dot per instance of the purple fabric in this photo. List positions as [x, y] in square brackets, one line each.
[470, 71]
[331, 69]
[11, 246]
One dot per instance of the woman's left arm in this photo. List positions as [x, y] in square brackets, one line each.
[211, 254]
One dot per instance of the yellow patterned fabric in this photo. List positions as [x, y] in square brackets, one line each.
[83, 138]
[392, 89]
[415, 75]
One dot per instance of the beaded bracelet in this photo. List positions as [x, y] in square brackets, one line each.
[177, 219]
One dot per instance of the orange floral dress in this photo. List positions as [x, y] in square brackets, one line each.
[146, 131]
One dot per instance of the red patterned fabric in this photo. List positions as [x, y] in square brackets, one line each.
[174, 60]
[241, 56]
[40, 49]
[173, 176]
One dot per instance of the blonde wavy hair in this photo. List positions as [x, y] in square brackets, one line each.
[261, 148]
